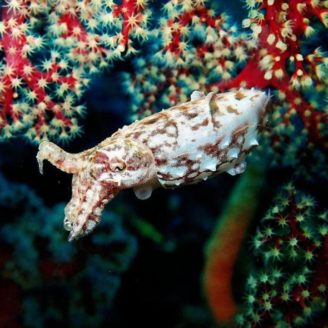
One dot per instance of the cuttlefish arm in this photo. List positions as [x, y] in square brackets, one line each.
[84, 211]
[89, 194]
[66, 162]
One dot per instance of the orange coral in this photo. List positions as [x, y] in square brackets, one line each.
[225, 243]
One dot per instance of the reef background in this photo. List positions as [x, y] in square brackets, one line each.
[147, 262]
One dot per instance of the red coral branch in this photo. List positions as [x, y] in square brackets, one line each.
[19, 71]
[76, 38]
[131, 12]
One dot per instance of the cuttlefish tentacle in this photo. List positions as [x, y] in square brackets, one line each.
[182, 145]
[87, 216]
[84, 210]
[67, 162]
[73, 204]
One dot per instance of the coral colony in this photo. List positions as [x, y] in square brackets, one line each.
[292, 236]
[182, 145]
[287, 283]
[49, 265]
[51, 50]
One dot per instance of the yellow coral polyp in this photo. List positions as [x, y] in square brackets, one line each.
[279, 73]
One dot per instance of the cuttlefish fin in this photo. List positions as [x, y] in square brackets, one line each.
[143, 192]
[196, 95]
[238, 169]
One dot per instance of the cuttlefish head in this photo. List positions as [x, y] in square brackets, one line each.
[98, 175]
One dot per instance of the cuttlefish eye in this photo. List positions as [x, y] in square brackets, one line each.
[117, 166]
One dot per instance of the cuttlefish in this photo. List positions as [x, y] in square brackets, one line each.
[182, 145]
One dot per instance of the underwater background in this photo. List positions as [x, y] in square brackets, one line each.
[235, 251]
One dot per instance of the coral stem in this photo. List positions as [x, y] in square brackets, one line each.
[225, 242]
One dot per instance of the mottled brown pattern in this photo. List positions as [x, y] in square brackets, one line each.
[159, 130]
[237, 134]
[160, 162]
[240, 95]
[213, 105]
[154, 150]
[134, 135]
[254, 97]
[241, 131]
[184, 107]
[262, 119]
[197, 126]
[112, 147]
[220, 97]
[172, 124]
[151, 119]
[215, 111]
[212, 149]
[182, 158]
[170, 144]
[216, 123]
[185, 162]
[162, 129]
[59, 162]
[163, 115]
[156, 132]
[191, 113]
[165, 176]
[209, 149]
[100, 158]
[157, 118]
[232, 109]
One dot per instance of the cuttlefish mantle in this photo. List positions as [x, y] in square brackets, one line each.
[182, 145]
